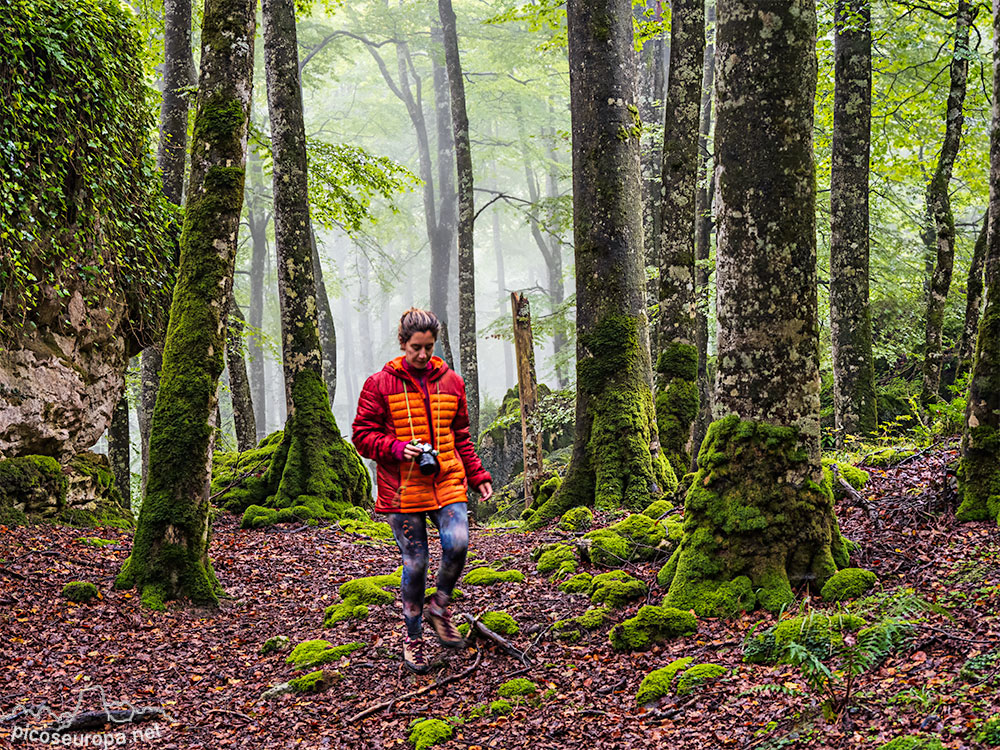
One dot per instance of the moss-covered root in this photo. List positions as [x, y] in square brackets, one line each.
[657, 683]
[677, 403]
[758, 520]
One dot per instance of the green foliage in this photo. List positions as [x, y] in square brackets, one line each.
[79, 198]
[650, 626]
[988, 732]
[429, 732]
[657, 683]
[849, 583]
[517, 687]
[79, 591]
[316, 652]
[501, 707]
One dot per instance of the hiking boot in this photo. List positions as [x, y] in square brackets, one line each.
[444, 628]
[414, 657]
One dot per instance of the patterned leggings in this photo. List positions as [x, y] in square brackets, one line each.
[410, 531]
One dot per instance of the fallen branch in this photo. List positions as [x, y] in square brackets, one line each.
[97, 719]
[425, 689]
[856, 497]
[12, 574]
[506, 646]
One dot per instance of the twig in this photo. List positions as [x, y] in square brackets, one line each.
[230, 711]
[425, 689]
[12, 574]
[537, 639]
[503, 643]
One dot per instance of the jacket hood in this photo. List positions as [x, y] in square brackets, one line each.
[436, 369]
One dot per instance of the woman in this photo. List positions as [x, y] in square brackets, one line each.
[413, 420]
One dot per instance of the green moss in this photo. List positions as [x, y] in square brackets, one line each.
[344, 611]
[698, 675]
[478, 712]
[606, 548]
[358, 594]
[23, 479]
[816, 632]
[577, 519]
[665, 576]
[644, 533]
[430, 732]
[913, 742]
[650, 626]
[314, 682]
[488, 577]
[979, 475]
[79, 591]
[658, 509]
[517, 687]
[501, 707]
[95, 541]
[657, 683]
[888, 456]
[988, 731]
[578, 584]
[571, 628]
[757, 520]
[317, 652]
[677, 402]
[854, 476]
[552, 558]
[500, 623]
[616, 589]
[849, 583]
[274, 645]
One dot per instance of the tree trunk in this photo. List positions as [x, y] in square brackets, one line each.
[118, 450]
[239, 383]
[527, 391]
[758, 518]
[677, 363]
[850, 317]
[314, 467]
[554, 265]
[979, 470]
[178, 72]
[327, 325]
[466, 217]
[258, 220]
[703, 239]
[651, 95]
[443, 242]
[170, 550]
[973, 302]
[508, 359]
[939, 205]
[615, 460]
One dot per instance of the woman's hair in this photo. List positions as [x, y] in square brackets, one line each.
[416, 320]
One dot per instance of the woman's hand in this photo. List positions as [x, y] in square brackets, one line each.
[486, 490]
[410, 452]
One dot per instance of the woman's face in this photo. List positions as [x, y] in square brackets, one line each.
[419, 349]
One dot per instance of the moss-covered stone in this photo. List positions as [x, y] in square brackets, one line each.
[616, 589]
[816, 632]
[757, 519]
[501, 707]
[580, 518]
[658, 509]
[676, 402]
[854, 476]
[657, 683]
[30, 482]
[578, 584]
[698, 675]
[644, 533]
[430, 732]
[318, 652]
[849, 583]
[79, 591]
[913, 742]
[500, 622]
[650, 626]
[516, 688]
[488, 577]
[553, 557]
[314, 682]
[606, 548]
[275, 644]
[571, 629]
[358, 594]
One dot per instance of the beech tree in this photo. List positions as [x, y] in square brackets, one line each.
[169, 556]
[239, 383]
[758, 519]
[615, 455]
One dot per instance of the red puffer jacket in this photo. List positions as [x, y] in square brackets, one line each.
[394, 407]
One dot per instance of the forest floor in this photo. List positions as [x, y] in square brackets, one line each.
[205, 668]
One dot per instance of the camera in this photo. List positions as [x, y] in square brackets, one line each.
[427, 460]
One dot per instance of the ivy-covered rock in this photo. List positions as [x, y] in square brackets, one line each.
[616, 589]
[430, 732]
[849, 583]
[318, 652]
[489, 576]
[79, 591]
[650, 626]
[580, 518]
[698, 675]
[657, 683]
[518, 687]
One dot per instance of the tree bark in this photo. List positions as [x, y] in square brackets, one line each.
[169, 556]
[979, 470]
[178, 72]
[677, 362]
[314, 467]
[850, 317]
[118, 450]
[973, 302]
[615, 460]
[239, 383]
[939, 205]
[508, 359]
[758, 518]
[258, 220]
[327, 325]
[651, 95]
[466, 216]
[703, 239]
[443, 243]
[527, 390]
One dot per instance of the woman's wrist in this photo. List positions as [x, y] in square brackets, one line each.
[398, 448]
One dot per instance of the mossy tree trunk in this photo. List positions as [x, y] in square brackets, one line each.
[979, 471]
[119, 450]
[703, 238]
[466, 216]
[314, 464]
[939, 205]
[615, 461]
[239, 383]
[170, 551]
[178, 72]
[758, 519]
[257, 220]
[973, 302]
[327, 326]
[850, 316]
[677, 361]
[652, 75]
